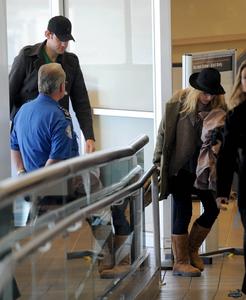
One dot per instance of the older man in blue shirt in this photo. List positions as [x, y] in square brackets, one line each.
[42, 131]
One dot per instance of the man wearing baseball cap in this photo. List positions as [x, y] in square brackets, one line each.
[61, 27]
[23, 77]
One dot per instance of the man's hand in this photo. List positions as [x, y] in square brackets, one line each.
[21, 172]
[222, 203]
[90, 146]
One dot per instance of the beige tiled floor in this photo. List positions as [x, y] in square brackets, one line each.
[53, 272]
[219, 278]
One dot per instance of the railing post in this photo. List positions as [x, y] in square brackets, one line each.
[156, 218]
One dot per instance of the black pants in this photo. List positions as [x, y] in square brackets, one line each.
[182, 187]
[120, 222]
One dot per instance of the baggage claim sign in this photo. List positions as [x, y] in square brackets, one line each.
[222, 60]
[221, 63]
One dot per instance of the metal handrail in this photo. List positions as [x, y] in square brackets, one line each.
[38, 241]
[43, 238]
[53, 216]
[13, 187]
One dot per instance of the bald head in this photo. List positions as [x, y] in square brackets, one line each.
[50, 78]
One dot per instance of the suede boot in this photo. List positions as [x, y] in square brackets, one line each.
[105, 240]
[122, 245]
[181, 265]
[107, 260]
[196, 238]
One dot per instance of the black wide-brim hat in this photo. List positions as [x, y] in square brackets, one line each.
[208, 81]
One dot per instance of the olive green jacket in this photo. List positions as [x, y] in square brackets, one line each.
[173, 148]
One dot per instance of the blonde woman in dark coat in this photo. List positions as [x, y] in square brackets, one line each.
[176, 153]
[233, 152]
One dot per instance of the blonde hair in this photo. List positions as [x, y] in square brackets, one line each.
[237, 94]
[190, 96]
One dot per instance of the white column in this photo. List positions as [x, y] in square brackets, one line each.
[162, 70]
[5, 165]
[57, 7]
[162, 57]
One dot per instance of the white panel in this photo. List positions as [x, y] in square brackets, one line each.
[99, 31]
[141, 24]
[122, 87]
[4, 112]
[26, 24]
[113, 43]
[120, 131]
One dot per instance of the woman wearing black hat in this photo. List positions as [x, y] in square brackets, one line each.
[185, 130]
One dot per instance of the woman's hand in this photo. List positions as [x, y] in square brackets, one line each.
[216, 148]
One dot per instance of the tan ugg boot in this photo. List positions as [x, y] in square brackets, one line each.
[105, 240]
[122, 257]
[181, 265]
[106, 261]
[196, 238]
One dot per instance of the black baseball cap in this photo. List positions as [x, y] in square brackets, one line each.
[61, 27]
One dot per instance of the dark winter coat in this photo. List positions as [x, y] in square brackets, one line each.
[233, 155]
[23, 81]
[172, 151]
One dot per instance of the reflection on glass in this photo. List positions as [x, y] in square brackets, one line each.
[76, 243]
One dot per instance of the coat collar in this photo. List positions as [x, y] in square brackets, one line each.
[36, 50]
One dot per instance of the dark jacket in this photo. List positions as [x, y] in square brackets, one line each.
[23, 81]
[164, 145]
[233, 152]
[168, 151]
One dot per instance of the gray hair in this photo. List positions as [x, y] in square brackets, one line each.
[50, 77]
